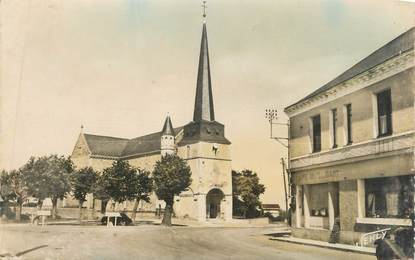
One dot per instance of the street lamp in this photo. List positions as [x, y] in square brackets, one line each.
[272, 116]
[193, 193]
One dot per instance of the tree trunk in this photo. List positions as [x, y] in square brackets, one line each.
[137, 201]
[19, 212]
[104, 206]
[167, 213]
[5, 211]
[39, 204]
[54, 208]
[80, 210]
[93, 208]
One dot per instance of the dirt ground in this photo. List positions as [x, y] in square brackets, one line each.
[153, 242]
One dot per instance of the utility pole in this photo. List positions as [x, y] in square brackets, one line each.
[271, 115]
[285, 185]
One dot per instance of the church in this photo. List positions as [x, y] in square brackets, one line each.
[201, 142]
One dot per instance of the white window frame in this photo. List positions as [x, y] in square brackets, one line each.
[376, 112]
[332, 130]
[345, 125]
[310, 133]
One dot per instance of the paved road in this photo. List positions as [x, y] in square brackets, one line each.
[154, 242]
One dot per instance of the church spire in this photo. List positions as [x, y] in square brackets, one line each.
[204, 128]
[167, 127]
[203, 110]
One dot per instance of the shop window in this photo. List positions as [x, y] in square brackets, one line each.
[301, 202]
[316, 133]
[318, 200]
[384, 104]
[391, 197]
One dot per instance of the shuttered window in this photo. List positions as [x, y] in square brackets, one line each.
[349, 124]
[384, 103]
[316, 133]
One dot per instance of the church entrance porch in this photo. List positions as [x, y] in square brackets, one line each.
[213, 204]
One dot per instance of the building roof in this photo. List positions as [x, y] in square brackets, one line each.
[204, 99]
[122, 147]
[400, 44]
[106, 145]
[168, 127]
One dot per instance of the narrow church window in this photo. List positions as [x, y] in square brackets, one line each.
[188, 151]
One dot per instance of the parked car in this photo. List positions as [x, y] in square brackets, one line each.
[273, 217]
[399, 248]
[122, 220]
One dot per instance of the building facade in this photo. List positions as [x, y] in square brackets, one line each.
[352, 148]
[201, 143]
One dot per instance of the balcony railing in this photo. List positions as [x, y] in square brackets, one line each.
[375, 146]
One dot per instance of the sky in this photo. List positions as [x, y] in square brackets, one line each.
[119, 66]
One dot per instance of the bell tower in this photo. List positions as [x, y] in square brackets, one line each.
[206, 151]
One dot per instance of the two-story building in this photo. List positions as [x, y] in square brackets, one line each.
[352, 148]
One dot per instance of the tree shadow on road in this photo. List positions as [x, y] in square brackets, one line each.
[22, 252]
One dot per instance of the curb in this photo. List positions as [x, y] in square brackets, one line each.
[365, 250]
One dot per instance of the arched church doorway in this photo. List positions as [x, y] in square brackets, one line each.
[213, 203]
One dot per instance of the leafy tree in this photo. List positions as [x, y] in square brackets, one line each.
[246, 191]
[6, 191]
[171, 176]
[48, 176]
[100, 193]
[18, 185]
[119, 181]
[143, 185]
[33, 172]
[13, 188]
[82, 182]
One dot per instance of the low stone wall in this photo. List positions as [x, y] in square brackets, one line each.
[254, 221]
[87, 214]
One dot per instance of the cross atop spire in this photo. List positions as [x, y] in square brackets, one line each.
[204, 9]
[204, 100]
